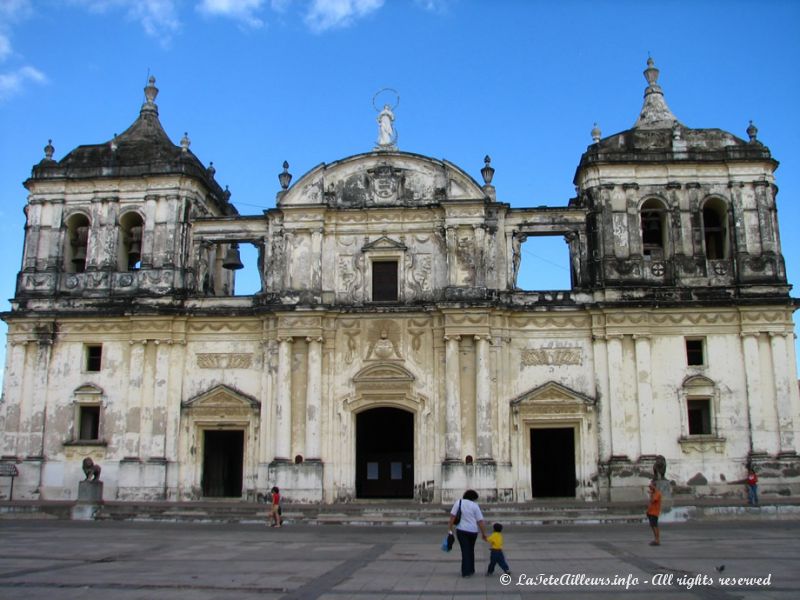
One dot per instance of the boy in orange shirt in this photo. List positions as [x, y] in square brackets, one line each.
[653, 511]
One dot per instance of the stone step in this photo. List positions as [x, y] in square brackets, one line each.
[405, 513]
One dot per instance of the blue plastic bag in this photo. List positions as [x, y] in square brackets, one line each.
[447, 542]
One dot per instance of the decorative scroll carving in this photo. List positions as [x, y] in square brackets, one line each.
[568, 355]
[224, 360]
[419, 269]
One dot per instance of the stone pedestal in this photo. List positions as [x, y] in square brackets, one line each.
[298, 482]
[90, 491]
[90, 497]
[480, 476]
[663, 486]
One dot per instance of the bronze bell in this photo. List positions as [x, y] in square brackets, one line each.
[232, 261]
[135, 250]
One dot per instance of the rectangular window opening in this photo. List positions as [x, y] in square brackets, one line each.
[384, 281]
[94, 358]
[695, 355]
[543, 263]
[89, 426]
[247, 279]
[699, 417]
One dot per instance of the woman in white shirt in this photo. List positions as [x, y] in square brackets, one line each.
[467, 529]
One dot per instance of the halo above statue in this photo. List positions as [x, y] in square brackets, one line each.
[385, 95]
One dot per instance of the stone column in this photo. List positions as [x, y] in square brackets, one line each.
[479, 235]
[452, 260]
[283, 403]
[133, 405]
[644, 389]
[146, 399]
[158, 425]
[176, 357]
[794, 390]
[757, 427]
[603, 406]
[33, 234]
[38, 402]
[148, 232]
[452, 392]
[315, 261]
[483, 406]
[52, 250]
[783, 396]
[616, 398]
[313, 398]
[14, 394]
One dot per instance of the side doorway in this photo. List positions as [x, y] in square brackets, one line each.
[553, 462]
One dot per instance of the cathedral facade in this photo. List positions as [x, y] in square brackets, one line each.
[389, 352]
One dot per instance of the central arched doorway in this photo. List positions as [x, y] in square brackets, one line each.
[385, 453]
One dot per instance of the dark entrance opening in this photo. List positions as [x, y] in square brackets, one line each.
[553, 462]
[222, 464]
[385, 453]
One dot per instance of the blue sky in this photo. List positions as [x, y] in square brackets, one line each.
[255, 83]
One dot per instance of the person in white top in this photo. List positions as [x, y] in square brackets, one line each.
[467, 529]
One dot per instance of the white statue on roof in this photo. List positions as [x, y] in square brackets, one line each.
[386, 133]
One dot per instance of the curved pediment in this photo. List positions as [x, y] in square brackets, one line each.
[222, 396]
[88, 389]
[382, 179]
[384, 372]
[698, 381]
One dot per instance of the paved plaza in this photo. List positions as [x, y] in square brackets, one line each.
[66, 560]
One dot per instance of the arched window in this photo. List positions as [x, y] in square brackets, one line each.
[653, 228]
[129, 256]
[77, 241]
[715, 231]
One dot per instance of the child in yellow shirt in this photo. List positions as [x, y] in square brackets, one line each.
[496, 556]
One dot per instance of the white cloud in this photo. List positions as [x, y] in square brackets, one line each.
[5, 47]
[12, 83]
[239, 10]
[280, 6]
[333, 14]
[14, 10]
[158, 18]
[433, 5]
[14, 80]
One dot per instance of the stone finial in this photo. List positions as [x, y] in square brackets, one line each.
[113, 143]
[752, 132]
[651, 73]
[596, 133]
[211, 170]
[150, 93]
[284, 177]
[185, 142]
[655, 113]
[49, 150]
[487, 172]
[226, 194]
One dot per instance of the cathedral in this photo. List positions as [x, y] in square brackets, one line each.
[389, 352]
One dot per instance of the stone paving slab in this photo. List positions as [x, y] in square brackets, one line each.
[63, 560]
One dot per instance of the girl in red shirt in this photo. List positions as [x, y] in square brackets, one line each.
[275, 512]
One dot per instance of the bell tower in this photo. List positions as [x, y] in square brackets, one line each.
[679, 213]
[111, 220]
